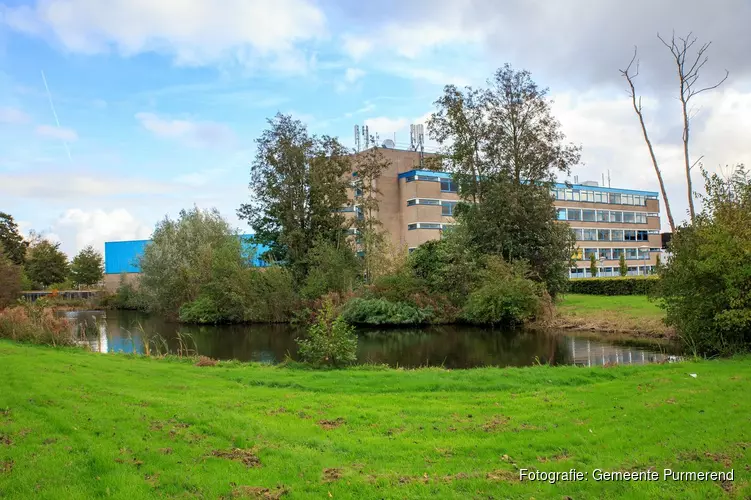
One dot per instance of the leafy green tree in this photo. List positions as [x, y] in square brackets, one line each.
[504, 148]
[87, 267]
[371, 239]
[330, 341]
[331, 269]
[299, 185]
[11, 241]
[593, 265]
[622, 267]
[10, 280]
[706, 285]
[180, 259]
[46, 263]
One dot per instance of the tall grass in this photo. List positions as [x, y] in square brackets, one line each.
[35, 323]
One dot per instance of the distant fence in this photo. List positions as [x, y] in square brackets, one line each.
[60, 294]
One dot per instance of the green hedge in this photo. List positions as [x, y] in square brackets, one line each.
[629, 285]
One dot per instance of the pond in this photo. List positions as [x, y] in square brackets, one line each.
[450, 346]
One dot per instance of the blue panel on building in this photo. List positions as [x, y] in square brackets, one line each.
[123, 256]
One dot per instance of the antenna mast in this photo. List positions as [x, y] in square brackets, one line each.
[357, 138]
[367, 136]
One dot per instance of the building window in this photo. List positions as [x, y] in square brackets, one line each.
[642, 236]
[574, 214]
[629, 235]
[604, 253]
[632, 253]
[411, 178]
[561, 213]
[429, 225]
[641, 218]
[589, 234]
[411, 227]
[603, 234]
[588, 215]
[569, 195]
[616, 216]
[617, 252]
[615, 198]
[448, 186]
[589, 252]
[628, 217]
[603, 216]
[616, 234]
[411, 203]
[577, 234]
[447, 208]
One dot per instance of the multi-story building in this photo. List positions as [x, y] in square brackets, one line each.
[417, 204]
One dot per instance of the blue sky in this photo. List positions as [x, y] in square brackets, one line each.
[159, 103]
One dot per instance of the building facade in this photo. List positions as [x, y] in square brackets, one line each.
[416, 205]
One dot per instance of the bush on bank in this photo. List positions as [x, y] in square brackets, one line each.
[631, 285]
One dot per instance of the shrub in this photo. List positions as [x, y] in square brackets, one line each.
[631, 285]
[706, 283]
[35, 323]
[10, 281]
[330, 341]
[203, 310]
[505, 297]
[384, 312]
[125, 297]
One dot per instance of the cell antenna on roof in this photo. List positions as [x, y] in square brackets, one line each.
[367, 137]
[608, 177]
[576, 179]
[357, 138]
[603, 178]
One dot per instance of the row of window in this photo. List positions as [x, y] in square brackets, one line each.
[447, 184]
[584, 215]
[584, 272]
[589, 234]
[447, 207]
[600, 197]
[613, 253]
[428, 225]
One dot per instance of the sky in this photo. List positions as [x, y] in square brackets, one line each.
[155, 106]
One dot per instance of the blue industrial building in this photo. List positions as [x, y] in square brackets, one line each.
[123, 256]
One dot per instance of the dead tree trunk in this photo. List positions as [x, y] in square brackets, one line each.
[638, 109]
[688, 74]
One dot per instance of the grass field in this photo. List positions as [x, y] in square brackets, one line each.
[626, 314]
[75, 424]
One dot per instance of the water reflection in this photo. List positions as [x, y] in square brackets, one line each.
[449, 346]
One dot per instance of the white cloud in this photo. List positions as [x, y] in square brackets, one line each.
[202, 178]
[385, 126]
[80, 228]
[195, 32]
[357, 47]
[353, 74]
[196, 133]
[13, 116]
[46, 186]
[62, 133]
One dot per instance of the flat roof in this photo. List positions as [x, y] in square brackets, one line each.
[580, 187]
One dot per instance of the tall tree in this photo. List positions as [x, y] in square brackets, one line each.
[87, 267]
[46, 263]
[11, 241]
[630, 76]
[10, 280]
[371, 239]
[504, 148]
[298, 186]
[688, 67]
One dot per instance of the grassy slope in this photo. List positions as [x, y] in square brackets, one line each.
[76, 425]
[630, 314]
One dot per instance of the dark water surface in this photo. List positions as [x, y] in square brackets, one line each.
[453, 346]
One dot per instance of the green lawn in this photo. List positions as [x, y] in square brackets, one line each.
[75, 424]
[628, 305]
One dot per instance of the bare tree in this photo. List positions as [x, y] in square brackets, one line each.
[630, 75]
[688, 74]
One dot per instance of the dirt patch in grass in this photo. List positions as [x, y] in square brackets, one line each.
[247, 457]
[6, 440]
[277, 411]
[495, 423]
[330, 475]
[165, 451]
[6, 466]
[502, 475]
[331, 424]
[49, 441]
[259, 492]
